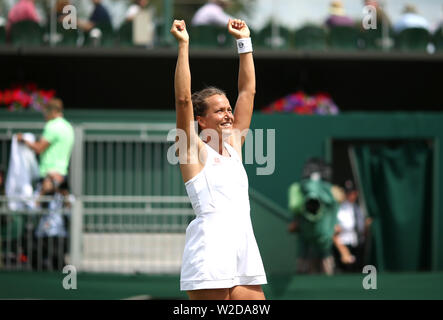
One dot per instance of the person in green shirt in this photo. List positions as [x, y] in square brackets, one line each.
[54, 147]
[314, 203]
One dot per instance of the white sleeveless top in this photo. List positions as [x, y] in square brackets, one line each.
[220, 248]
[222, 185]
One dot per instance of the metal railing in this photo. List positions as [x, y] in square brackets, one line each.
[128, 211]
[34, 236]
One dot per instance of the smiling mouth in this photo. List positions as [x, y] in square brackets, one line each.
[226, 125]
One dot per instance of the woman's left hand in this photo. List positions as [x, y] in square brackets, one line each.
[238, 29]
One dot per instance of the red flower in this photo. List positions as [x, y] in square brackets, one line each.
[49, 94]
[25, 96]
[279, 104]
[7, 97]
[21, 98]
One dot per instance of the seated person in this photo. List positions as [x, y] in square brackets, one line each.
[338, 16]
[100, 15]
[212, 13]
[21, 11]
[135, 8]
[411, 19]
[349, 250]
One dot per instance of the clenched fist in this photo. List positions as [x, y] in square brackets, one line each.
[179, 31]
[238, 29]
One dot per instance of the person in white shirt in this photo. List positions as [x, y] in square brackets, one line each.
[212, 13]
[352, 230]
[411, 19]
[135, 8]
[221, 259]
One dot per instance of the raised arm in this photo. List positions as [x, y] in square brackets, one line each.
[182, 78]
[189, 164]
[246, 79]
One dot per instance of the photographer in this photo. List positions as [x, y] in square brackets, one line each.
[315, 217]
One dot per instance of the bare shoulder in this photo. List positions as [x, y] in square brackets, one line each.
[193, 162]
[235, 141]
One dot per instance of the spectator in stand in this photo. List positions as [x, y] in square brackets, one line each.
[54, 147]
[353, 230]
[135, 8]
[411, 19]
[100, 15]
[212, 13]
[337, 15]
[21, 11]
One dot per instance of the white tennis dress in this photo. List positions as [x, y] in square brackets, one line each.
[220, 249]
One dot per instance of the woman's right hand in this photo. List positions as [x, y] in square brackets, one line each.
[178, 30]
[347, 258]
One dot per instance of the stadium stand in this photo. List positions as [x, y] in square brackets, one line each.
[2, 35]
[266, 38]
[437, 39]
[105, 39]
[310, 37]
[68, 37]
[343, 38]
[210, 36]
[371, 39]
[26, 33]
[124, 34]
[412, 39]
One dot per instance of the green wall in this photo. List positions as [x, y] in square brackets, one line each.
[298, 138]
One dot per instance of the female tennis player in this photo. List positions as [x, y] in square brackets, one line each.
[221, 259]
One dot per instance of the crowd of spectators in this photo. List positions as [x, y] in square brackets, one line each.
[96, 15]
[213, 12]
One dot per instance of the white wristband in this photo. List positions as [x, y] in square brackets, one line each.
[244, 45]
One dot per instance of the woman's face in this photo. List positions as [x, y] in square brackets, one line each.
[219, 116]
